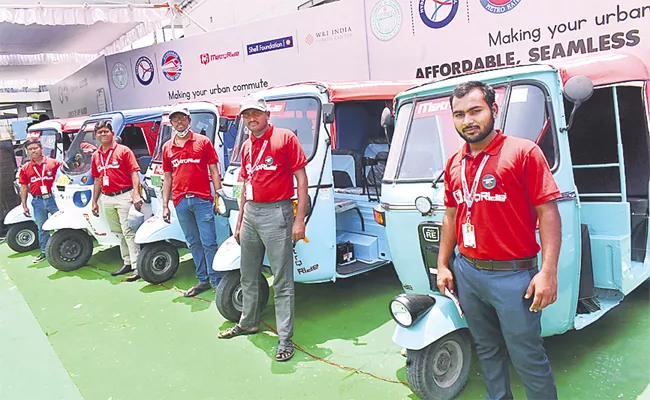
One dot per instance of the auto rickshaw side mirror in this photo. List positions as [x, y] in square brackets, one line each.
[387, 119]
[59, 137]
[328, 113]
[577, 90]
[223, 124]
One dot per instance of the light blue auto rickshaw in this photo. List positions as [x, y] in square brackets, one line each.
[71, 245]
[55, 135]
[158, 260]
[600, 164]
[339, 130]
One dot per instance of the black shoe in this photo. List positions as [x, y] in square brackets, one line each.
[125, 268]
[40, 258]
[133, 277]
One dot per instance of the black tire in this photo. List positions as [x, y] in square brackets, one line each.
[440, 370]
[23, 237]
[69, 249]
[229, 299]
[157, 262]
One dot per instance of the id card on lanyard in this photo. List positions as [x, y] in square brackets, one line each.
[41, 177]
[469, 234]
[105, 165]
[249, 184]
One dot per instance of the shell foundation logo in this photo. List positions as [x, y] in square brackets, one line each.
[499, 6]
[437, 14]
[171, 65]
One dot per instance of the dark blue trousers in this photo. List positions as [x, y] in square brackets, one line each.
[503, 329]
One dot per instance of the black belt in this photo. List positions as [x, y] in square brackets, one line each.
[118, 192]
[494, 265]
[43, 196]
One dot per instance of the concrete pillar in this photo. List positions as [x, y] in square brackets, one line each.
[22, 110]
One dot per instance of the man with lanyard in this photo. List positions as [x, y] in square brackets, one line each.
[494, 221]
[271, 158]
[116, 173]
[190, 161]
[36, 177]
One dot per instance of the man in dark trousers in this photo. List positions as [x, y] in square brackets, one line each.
[271, 159]
[496, 189]
[117, 185]
[36, 178]
[190, 162]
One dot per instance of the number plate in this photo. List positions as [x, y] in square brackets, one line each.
[63, 180]
[431, 234]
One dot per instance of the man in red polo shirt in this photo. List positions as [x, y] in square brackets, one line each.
[115, 170]
[496, 188]
[36, 178]
[271, 158]
[190, 162]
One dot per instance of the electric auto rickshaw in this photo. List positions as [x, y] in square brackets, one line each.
[338, 127]
[71, 244]
[158, 260]
[596, 143]
[56, 136]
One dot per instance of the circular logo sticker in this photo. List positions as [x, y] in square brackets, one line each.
[268, 161]
[144, 70]
[437, 14]
[499, 6]
[386, 20]
[120, 75]
[489, 181]
[172, 66]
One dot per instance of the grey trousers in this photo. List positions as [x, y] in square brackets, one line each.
[267, 227]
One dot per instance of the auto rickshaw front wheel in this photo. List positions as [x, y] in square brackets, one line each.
[440, 370]
[23, 237]
[229, 296]
[69, 249]
[158, 262]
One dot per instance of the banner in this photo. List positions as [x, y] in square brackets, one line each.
[83, 93]
[324, 43]
[435, 39]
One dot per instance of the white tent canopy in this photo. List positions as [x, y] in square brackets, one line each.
[41, 44]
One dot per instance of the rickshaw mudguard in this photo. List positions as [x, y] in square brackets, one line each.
[228, 257]
[155, 229]
[16, 216]
[65, 219]
[441, 319]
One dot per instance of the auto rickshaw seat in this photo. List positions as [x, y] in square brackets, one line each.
[346, 168]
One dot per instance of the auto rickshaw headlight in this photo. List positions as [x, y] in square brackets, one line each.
[406, 310]
[423, 205]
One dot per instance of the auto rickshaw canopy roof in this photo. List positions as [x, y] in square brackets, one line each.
[59, 124]
[361, 90]
[605, 69]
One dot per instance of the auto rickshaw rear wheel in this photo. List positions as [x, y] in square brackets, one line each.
[229, 295]
[158, 262]
[69, 249]
[23, 237]
[440, 370]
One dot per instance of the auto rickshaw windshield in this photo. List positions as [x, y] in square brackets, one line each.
[425, 135]
[80, 153]
[299, 115]
[203, 123]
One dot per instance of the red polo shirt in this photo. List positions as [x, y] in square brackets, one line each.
[515, 179]
[189, 166]
[37, 175]
[275, 156]
[118, 163]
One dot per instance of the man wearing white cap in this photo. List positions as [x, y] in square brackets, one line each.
[271, 158]
[189, 162]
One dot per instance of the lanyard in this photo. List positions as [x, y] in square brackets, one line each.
[108, 159]
[259, 156]
[41, 176]
[469, 196]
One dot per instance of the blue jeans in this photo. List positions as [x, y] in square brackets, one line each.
[197, 221]
[42, 209]
[504, 328]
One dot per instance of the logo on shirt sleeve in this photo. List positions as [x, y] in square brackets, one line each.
[458, 196]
